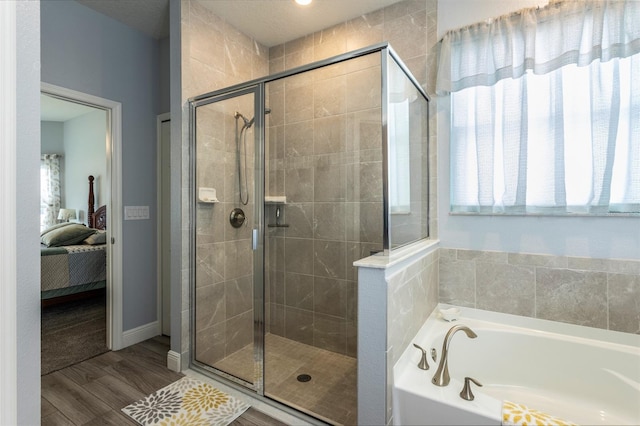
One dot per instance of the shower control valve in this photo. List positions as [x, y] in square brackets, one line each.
[237, 217]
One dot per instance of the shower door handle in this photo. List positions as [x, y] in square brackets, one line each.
[254, 243]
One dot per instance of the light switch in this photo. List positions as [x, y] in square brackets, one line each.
[136, 212]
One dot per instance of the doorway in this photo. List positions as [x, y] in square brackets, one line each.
[110, 197]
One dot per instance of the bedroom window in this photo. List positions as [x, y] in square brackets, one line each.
[49, 190]
[553, 130]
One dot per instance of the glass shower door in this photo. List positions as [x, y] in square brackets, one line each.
[227, 306]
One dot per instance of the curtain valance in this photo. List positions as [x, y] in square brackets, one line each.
[541, 40]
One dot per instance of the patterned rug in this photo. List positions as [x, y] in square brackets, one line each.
[187, 402]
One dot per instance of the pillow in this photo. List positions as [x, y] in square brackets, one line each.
[66, 235]
[100, 237]
[59, 225]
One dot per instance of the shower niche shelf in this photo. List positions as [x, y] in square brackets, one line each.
[275, 199]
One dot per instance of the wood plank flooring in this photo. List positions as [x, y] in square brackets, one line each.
[93, 391]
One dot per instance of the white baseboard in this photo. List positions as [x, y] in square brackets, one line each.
[173, 361]
[140, 334]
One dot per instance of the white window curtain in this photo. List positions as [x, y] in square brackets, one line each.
[545, 110]
[49, 189]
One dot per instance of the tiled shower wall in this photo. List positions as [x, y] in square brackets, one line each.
[216, 55]
[325, 156]
[602, 293]
[312, 285]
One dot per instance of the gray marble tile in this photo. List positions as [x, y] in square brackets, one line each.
[329, 134]
[483, 256]
[209, 344]
[330, 296]
[299, 325]
[330, 96]
[506, 288]
[330, 259]
[299, 217]
[572, 296]
[238, 296]
[299, 183]
[624, 303]
[329, 181]
[299, 254]
[407, 34]
[330, 333]
[363, 90]
[277, 319]
[364, 182]
[352, 338]
[238, 332]
[210, 306]
[614, 266]
[298, 138]
[238, 259]
[364, 131]
[548, 261]
[329, 221]
[457, 282]
[298, 103]
[299, 291]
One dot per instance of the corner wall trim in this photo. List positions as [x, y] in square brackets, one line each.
[173, 361]
[140, 334]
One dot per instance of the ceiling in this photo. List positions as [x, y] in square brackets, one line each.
[53, 109]
[270, 22]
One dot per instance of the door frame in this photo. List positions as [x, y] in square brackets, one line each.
[164, 241]
[114, 203]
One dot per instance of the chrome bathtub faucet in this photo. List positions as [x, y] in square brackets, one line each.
[441, 378]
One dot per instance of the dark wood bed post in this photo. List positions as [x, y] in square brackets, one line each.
[91, 204]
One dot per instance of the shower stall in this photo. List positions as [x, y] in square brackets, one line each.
[295, 176]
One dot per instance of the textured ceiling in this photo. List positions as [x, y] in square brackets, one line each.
[53, 109]
[271, 22]
[274, 22]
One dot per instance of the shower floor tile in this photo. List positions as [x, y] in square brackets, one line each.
[331, 394]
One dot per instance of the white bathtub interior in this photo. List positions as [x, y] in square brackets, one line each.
[579, 374]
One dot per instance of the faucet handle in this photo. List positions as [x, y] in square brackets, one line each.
[423, 365]
[466, 389]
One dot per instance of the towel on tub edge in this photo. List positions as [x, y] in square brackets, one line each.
[520, 415]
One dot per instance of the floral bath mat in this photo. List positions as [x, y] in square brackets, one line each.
[186, 402]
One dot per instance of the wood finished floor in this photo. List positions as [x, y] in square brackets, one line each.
[93, 391]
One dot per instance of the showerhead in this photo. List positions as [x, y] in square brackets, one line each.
[249, 123]
[246, 122]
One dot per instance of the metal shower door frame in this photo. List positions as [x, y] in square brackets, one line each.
[257, 89]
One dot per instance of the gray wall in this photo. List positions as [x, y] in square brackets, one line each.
[52, 137]
[88, 52]
[28, 211]
[85, 154]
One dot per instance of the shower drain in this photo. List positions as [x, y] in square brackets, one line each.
[304, 378]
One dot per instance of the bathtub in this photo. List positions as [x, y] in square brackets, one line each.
[579, 374]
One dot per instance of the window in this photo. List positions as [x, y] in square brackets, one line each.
[49, 190]
[546, 131]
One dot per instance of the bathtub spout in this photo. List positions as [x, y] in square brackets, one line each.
[441, 378]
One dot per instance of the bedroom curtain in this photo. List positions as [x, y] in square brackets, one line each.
[49, 189]
[545, 110]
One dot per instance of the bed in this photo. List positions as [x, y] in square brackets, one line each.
[73, 257]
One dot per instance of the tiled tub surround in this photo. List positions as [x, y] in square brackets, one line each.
[602, 293]
[396, 295]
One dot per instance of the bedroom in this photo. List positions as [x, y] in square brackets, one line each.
[73, 256]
